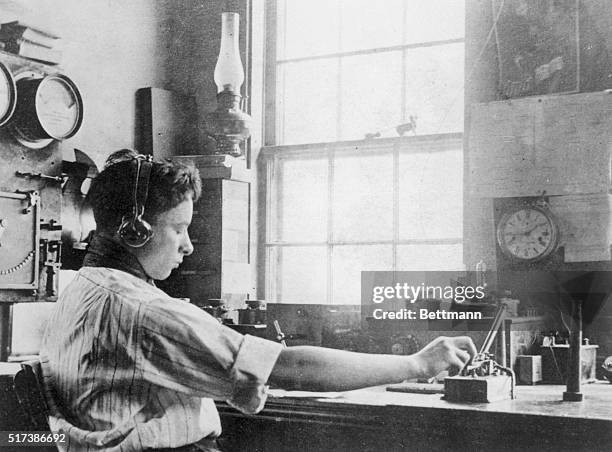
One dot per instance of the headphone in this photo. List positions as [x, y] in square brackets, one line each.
[134, 231]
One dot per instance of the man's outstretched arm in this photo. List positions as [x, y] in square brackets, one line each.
[324, 369]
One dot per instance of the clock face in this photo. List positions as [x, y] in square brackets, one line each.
[527, 233]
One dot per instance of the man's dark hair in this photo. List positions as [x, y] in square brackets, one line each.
[111, 195]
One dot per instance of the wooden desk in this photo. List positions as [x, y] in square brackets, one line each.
[377, 420]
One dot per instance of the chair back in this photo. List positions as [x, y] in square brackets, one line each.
[29, 388]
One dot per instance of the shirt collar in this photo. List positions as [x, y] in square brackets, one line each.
[106, 251]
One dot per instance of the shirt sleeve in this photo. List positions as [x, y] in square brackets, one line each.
[185, 349]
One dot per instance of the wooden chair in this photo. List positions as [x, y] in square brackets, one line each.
[28, 383]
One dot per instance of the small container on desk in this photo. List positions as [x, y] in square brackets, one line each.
[215, 307]
[529, 369]
[253, 319]
[554, 363]
[254, 314]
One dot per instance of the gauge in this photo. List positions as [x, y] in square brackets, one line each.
[49, 108]
[8, 97]
[59, 107]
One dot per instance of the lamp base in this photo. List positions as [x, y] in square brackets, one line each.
[216, 160]
[228, 125]
[227, 146]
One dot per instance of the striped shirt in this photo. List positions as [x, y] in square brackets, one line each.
[127, 367]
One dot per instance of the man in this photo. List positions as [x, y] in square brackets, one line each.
[129, 368]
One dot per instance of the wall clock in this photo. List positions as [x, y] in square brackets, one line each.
[528, 233]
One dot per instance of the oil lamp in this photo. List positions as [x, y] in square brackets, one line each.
[228, 125]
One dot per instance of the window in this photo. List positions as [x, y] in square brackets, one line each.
[344, 68]
[338, 203]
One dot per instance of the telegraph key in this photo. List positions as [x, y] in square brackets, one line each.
[482, 379]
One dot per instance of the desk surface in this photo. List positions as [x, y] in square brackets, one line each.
[374, 419]
[541, 400]
[9, 368]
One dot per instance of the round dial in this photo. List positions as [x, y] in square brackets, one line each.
[8, 96]
[50, 108]
[59, 107]
[527, 233]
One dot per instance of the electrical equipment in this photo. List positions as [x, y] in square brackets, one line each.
[215, 307]
[529, 369]
[607, 368]
[31, 184]
[254, 314]
[8, 94]
[19, 249]
[555, 363]
[482, 379]
[48, 108]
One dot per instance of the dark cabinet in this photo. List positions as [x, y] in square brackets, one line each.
[220, 233]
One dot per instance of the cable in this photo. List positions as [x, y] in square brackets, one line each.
[512, 378]
[563, 321]
[467, 80]
[499, 56]
[468, 77]
[552, 352]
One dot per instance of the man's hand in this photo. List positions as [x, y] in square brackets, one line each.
[445, 353]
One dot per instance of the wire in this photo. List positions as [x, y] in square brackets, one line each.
[563, 320]
[499, 57]
[468, 77]
[552, 352]
[453, 102]
[512, 378]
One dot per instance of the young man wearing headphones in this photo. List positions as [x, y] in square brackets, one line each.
[129, 368]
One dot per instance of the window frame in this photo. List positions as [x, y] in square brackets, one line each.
[272, 152]
[271, 158]
[271, 116]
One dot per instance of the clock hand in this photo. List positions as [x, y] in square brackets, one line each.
[534, 228]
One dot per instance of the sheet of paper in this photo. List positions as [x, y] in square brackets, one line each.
[304, 394]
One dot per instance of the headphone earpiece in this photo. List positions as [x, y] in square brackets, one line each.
[134, 231]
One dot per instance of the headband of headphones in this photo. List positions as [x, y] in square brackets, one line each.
[134, 230]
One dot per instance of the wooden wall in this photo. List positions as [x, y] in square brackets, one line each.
[481, 86]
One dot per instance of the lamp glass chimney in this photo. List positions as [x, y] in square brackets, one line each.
[229, 74]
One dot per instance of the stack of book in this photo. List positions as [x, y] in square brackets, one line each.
[30, 42]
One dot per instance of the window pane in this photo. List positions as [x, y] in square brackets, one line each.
[432, 20]
[367, 24]
[311, 28]
[303, 274]
[307, 100]
[429, 257]
[363, 197]
[431, 195]
[303, 200]
[371, 94]
[348, 261]
[434, 88]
